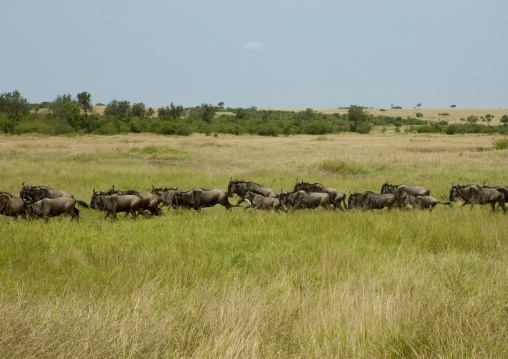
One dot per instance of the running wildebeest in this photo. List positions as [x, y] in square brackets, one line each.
[423, 202]
[167, 196]
[303, 200]
[113, 204]
[51, 207]
[200, 198]
[36, 193]
[149, 201]
[240, 188]
[336, 195]
[399, 190]
[370, 201]
[12, 206]
[258, 201]
[502, 189]
[474, 194]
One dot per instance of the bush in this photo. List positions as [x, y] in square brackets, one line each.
[501, 144]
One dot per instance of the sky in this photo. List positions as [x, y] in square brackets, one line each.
[276, 54]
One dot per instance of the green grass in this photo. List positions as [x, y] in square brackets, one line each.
[223, 283]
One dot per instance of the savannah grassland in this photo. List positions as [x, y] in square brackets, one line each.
[318, 284]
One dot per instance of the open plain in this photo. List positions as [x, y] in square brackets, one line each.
[220, 283]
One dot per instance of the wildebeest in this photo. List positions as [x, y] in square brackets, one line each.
[502, 189]
[36, 193]
[474, 194]
[51, 207]
[423, 202]
[149, 201]
[113, 204]
[166, 195]
[306, 200]
[370, 201]
[11, 206]
[240, 188]
[399, 190]
[200, 198]
[336, 195]
[258, 201]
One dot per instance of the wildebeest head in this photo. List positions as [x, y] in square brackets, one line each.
[26, 191]
[95, 198]
[388, 188]
[458, 193]
[352, 200]
[236, 187]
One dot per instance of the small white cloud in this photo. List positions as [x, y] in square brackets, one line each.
[254, 46]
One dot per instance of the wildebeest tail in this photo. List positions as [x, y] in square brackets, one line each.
[82, 204]
[76, 211]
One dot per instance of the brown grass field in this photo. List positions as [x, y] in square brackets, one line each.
[236, 284]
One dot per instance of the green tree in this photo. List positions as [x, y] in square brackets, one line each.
[357, 118]
[85, 102]
[119, 109]
[489, 117]
[176, 111]
[419, 105]
[208, 112]
[138, 109]
[14, 106]
[66, 110]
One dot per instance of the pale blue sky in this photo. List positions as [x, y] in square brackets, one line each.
[268, 54]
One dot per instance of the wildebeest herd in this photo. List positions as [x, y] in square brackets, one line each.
[44, 202]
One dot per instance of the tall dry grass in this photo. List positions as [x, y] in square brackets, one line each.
[236, 284]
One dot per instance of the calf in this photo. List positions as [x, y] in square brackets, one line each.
[423, 202]
[258, 201]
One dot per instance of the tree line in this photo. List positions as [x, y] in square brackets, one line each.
[73, 115]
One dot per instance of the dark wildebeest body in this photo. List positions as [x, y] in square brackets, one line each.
[113, 204]
[502, 189]
[473, 194]
[370, 201]
[166, 195]
[201, 198]
[148, 201]
[240, 188]
[304, 200]
[400, 190]
[11, 206]
[36, 193]
[258, 201]
[51, 207]
[423, 202]
[335, 195]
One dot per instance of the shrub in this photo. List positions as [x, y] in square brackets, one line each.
[501, 144]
